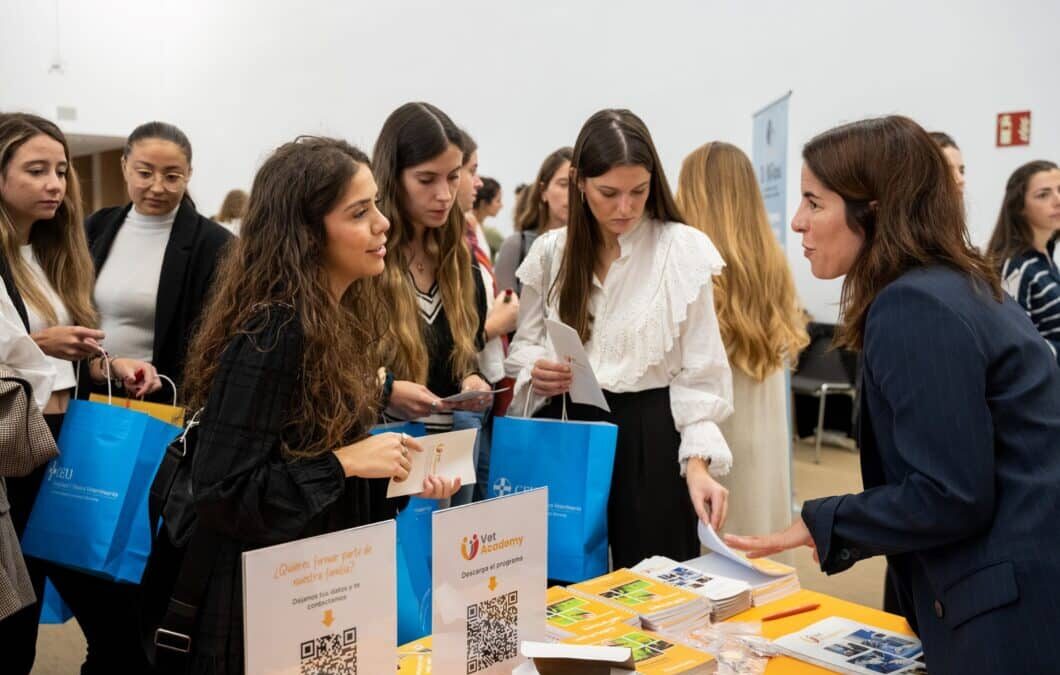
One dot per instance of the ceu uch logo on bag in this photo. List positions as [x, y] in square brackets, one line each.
[503, 486]
[56, 472]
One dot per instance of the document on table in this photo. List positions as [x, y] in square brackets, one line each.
[449, 455]
[568, 346]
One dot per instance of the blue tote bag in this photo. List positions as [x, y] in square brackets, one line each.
[575, 461]
[53, 609]
[91, 511]
[413, 554]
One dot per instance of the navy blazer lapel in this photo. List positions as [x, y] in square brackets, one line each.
[174, 270]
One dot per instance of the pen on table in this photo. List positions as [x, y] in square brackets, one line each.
[791, 612]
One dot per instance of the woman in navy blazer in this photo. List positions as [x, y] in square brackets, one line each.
[960, 423]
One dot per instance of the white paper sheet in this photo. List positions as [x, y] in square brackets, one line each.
[449, 455]
[585, 388]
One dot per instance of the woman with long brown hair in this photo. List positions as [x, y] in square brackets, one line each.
[1023, 245]
[287, 386]
[636, 284]
[544, 208]
[959, 422]
[761, 325]
[434, 294]
[42, 241]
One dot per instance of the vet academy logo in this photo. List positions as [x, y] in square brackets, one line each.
[469, 550]
[480, 544]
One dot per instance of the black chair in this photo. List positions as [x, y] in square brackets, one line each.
[824, 371]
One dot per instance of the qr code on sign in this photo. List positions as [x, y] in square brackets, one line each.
[492, 632]
[334, 654]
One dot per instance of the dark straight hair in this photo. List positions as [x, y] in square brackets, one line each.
[895, 183]
[487, 193]
[534, 214]
[163, 131]
[608, 139]
[1012, 233]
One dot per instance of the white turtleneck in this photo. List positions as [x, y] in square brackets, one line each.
[127, 286]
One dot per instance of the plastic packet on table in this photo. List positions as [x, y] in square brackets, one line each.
[739, 648]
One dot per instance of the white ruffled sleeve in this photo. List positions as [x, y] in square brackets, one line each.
[531, 341]
[19, 352]
[701, 392]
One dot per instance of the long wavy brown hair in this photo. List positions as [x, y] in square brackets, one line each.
[59, 243]
[899, 193]
[608, 139]
[278, 260]
[413, 134]
[533, 216]
[758, 310]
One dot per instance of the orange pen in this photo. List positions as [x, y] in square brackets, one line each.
[791, 612]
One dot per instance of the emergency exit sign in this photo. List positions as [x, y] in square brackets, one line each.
[1014, 128]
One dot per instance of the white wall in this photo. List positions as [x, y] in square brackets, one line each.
[241, 76]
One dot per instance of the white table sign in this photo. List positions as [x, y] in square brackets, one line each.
[326, 603]
[490, 561]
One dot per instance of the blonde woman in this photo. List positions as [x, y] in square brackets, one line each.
[233, 208]
[761, 326]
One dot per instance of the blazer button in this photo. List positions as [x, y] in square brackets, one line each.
[938, 609]
[844, 555]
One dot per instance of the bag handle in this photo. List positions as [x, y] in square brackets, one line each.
[530, 395]
[106, 370]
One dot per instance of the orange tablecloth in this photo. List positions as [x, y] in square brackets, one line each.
[782, 665]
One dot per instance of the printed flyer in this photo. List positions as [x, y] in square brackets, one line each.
[490, 562]
[326, 604]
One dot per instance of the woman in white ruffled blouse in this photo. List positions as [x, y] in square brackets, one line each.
[636, 284]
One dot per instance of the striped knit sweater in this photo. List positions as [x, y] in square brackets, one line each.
[1032, 278]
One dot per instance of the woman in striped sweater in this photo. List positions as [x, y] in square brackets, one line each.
[1024, 242]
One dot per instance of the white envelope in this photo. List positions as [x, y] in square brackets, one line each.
[449, 455]
[568, 346]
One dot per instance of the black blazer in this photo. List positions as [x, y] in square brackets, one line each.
[960, 459]
[188, 266]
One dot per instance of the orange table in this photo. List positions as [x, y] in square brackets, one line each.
[783, 665]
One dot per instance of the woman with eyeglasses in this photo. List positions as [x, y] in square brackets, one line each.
[155, 260]
[155, 257]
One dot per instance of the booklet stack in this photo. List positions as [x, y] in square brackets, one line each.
[728, 597]
[769, 580]
[661, 607]
[652, 653]
[845, 646]
[570, 614]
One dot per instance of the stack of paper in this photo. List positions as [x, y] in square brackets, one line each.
[653, 654]
[414, 658]
[769, 580]
[570, 614]
[846, 646]
[661, 607]
[728, 597]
